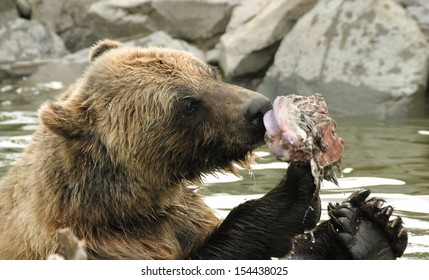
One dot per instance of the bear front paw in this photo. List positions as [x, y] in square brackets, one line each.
[365, 228]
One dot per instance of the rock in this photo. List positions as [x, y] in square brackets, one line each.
[162, 39]
[122, 19]
[69, 19]
[25, 44]
[365, 57]
[191, 20]
[419, 10]
[23, 8]
[7, 10]
[7, 5]
[212, 57]
[64, 71]
[245, 11]
[250, 48]
[71, 67]
[195, 20]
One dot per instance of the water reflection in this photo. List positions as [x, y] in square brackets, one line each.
[390, 158]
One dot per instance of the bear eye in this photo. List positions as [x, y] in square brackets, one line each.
[190, 106]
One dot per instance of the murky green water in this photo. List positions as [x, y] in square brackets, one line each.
[391, 158]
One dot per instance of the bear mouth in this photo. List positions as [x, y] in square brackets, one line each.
[277, 129]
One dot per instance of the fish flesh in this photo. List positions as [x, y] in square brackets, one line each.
[299, 129]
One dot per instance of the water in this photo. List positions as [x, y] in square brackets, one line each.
[389, 157]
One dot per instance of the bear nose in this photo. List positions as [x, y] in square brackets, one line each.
[257, 109]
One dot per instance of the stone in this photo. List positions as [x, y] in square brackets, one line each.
[26, 44]
[69, 19]
[7, 5]
[365, 57]
[162, 39]
[195, 20]
[191, 20]
[122, 19]
[244, 11]
[250, 48]
[24, 9]
[419, 10]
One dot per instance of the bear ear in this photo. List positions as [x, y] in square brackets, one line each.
[61, 120]
[102, 47]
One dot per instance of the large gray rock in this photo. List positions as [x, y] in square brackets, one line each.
[25, 45]
[7, 5]
[244, 11]
[8, 9]
[365, 57]
[191, 20]
[69, 19]
[164, 40]
[71, 67]
[419, 10]
[249, 48]
[195, 20]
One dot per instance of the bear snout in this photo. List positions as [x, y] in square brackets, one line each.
[256, 110]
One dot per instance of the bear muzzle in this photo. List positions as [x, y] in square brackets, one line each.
[256, 110]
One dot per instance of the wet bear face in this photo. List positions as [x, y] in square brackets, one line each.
[160, 112]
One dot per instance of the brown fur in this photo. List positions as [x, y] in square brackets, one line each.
[113, 155]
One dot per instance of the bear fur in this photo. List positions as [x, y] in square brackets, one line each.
[114, 154]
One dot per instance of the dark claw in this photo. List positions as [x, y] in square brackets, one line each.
[382, 217]
[387, 211]
[331, 208]
[398, 236]
[371, 207]
[379, 203]
[394, 223]
[359, 197]
[402, 233]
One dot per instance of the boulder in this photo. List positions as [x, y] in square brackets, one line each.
[65, 70]
[25, 44]
[23, 8]
[7, 10]
[192, 20]
[121, 19]
[244, 11]
[249, 48]
[366, 57]
[195, 20]
[419, 10]
[7, 5]
[69, 19]
[162, 39]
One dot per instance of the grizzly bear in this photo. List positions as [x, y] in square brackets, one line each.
[114, 155]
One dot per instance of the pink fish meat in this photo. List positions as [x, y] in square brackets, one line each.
[299, 128]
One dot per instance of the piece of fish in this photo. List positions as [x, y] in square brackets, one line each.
[299, 128]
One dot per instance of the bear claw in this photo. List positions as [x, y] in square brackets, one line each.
[387, 211]
[359, 197]
[364, 227]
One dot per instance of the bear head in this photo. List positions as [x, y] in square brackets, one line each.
[159, 112]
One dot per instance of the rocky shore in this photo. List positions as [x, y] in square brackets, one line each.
[366, 57]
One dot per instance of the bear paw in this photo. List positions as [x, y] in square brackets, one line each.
[365, 228]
